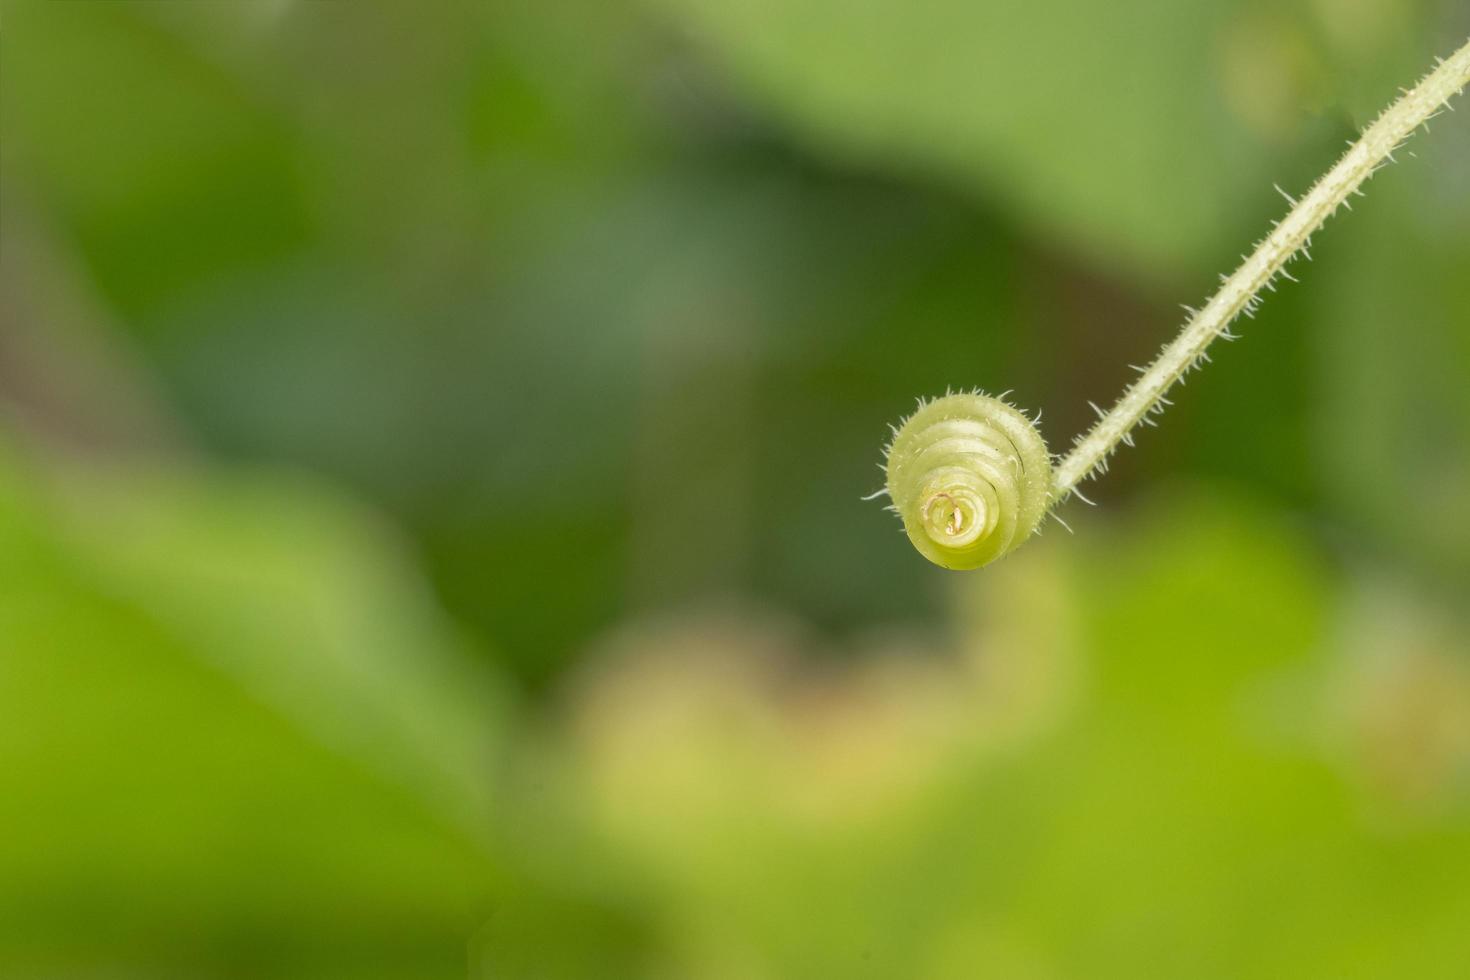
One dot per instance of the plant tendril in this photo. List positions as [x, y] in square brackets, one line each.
[970, 475]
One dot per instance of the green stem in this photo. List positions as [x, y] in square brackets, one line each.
[1241, 291]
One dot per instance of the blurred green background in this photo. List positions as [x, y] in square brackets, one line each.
[431, 443]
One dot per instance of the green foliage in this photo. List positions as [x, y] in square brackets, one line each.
[1118, 767]
[1135, 129]
[487, 577]
[1123, 772]
[231, 730]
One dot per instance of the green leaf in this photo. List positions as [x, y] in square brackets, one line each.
[1135, 129]
[1099, 120]
[1116, 773]
[238, 739]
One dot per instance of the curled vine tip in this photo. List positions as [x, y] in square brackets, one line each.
[971, 478]
[970, 475]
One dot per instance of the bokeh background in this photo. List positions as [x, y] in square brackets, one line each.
[431, 443]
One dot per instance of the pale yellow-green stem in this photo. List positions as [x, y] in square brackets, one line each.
[1241, 291]
[970, 475]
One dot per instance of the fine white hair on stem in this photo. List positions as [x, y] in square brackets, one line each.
[1240, 292]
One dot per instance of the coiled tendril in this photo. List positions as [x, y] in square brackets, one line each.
[971, 477]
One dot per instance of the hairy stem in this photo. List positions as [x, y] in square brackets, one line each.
[1240, 292]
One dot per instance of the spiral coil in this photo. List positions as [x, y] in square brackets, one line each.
[971, 478]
